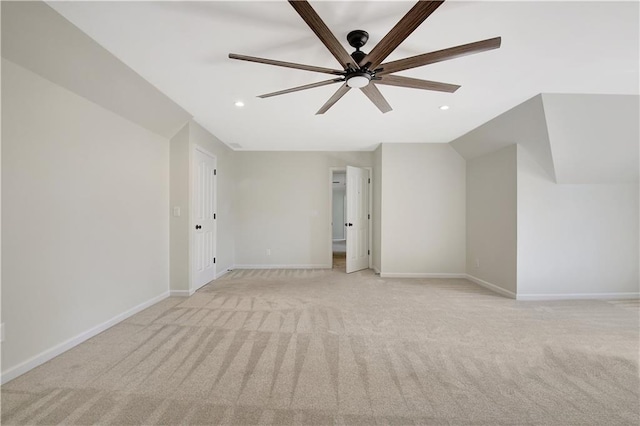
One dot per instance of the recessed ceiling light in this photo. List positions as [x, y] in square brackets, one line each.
[239, 104]
[444, 107]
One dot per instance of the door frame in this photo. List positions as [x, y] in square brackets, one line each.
[192, 156]
[370, 207]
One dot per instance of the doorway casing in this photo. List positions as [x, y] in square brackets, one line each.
[369, 206]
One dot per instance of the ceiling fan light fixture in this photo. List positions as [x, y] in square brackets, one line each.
[358, 80]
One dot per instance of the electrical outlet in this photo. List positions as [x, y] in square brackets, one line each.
[176, 211]
[477, 263]
[268, 252]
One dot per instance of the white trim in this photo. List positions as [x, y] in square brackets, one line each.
[330, 247]
[420, 275]
[370, 213]
[575, 296]
[299, 266]
[181, 293]
[192, 149]
[225, 272]
[187, 293]
[53, 352]
[491, 286]
[375, 269]
[204, 151]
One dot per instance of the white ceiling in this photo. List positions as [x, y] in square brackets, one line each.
[182, 48]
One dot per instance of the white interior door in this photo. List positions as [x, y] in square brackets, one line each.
[357, 222]
[203, 219]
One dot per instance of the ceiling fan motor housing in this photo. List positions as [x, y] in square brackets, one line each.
[358, 56]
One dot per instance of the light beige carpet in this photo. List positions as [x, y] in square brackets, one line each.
[323, 347]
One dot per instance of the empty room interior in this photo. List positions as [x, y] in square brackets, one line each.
[291, 212]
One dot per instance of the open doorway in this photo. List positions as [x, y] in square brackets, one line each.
[338, 218]
[350, 218]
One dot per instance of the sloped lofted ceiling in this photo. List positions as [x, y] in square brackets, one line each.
[593, 138]
[576, 139]
[525, 124]
[34, 36]
[182, 47]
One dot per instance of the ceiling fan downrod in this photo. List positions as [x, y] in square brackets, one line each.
[357, 39]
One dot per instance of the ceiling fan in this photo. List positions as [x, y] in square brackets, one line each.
[366, 70]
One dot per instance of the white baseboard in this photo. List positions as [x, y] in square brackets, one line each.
[564, 296]
[375, 269]
[188, 293]
[577, 296]
[420, 275]
[53, 352]
[225, 272]
[181, 293]
[492, 287]
[297, 266]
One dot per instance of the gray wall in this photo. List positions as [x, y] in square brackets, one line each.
[577, 194]
[179, 197]
[283, 204]
[575, 240]
[84, 216]
[423, 214]
[491, 218]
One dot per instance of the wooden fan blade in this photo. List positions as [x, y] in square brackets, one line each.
[414, 83]
[306, 86]
[325, 35]
[376, 97]
[333, 99]
[285, 64]
[440, 55]
[400, 32]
